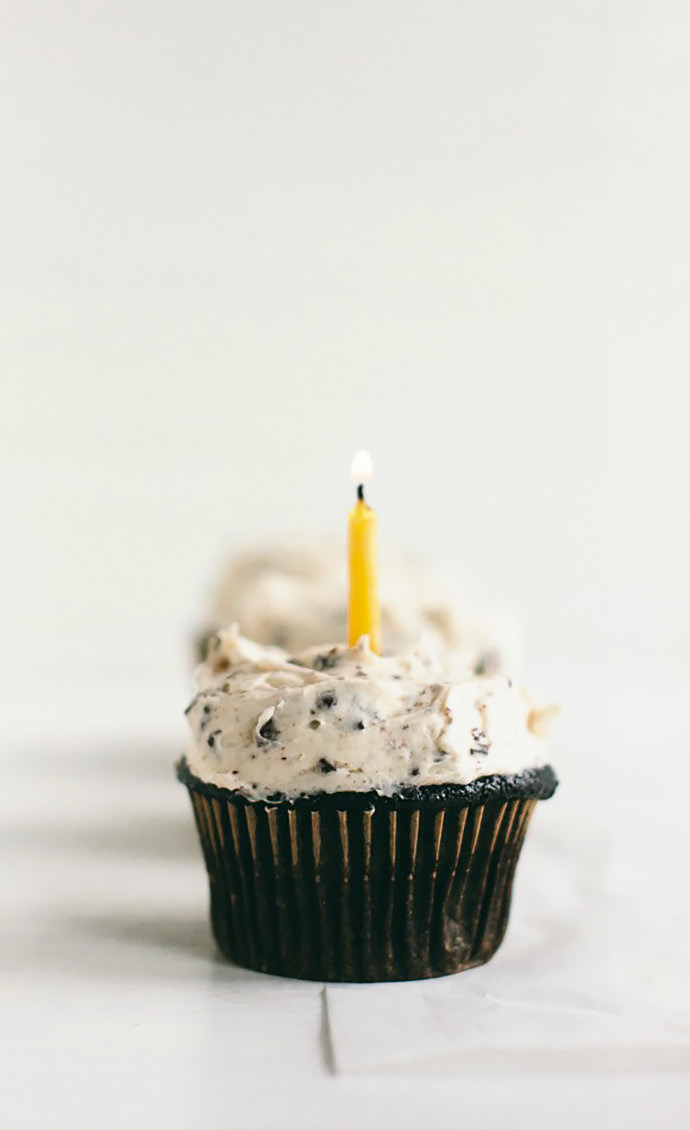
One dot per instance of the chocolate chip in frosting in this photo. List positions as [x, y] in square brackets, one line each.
[205, 717]
[359, 725]
[325, 766]
[211, 739]
[269, 732]
[489, 663]
[480, 742]
[314, 724]
[326, 700]
[326, 660]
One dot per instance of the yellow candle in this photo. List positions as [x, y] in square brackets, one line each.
[363, 612]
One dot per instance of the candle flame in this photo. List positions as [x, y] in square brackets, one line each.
[362, 467]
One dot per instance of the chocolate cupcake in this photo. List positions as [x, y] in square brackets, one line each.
[361, 819]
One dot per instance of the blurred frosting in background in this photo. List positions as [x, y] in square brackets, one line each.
[293, 594]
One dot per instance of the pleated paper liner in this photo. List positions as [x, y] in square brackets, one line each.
[359, 887]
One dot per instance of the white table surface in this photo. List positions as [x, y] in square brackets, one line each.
[118, 1013]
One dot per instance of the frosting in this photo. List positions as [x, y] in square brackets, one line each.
[293, 595]
[335, 719]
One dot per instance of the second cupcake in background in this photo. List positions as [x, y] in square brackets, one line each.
[291, 595]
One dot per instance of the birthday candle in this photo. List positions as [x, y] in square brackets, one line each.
[363, 612]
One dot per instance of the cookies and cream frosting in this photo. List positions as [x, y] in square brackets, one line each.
[336, 718]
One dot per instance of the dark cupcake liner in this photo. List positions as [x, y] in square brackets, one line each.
[360, 887]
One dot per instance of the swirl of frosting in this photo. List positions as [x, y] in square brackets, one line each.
[336, 719]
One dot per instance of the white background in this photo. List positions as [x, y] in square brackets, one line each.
[240, 241]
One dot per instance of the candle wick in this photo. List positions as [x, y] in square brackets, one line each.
[360, 492]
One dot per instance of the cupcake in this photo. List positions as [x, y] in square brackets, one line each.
[291, 594]
[360, 817]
